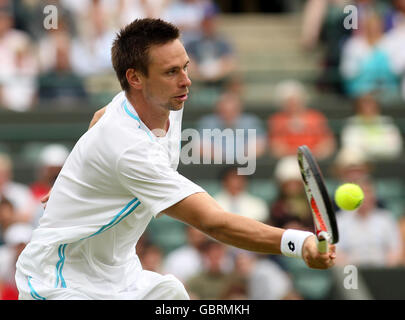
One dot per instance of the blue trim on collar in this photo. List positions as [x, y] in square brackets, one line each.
[134, 116]
[130, 113]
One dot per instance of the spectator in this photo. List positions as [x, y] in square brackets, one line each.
[366, 65]
[30, 16]
[18, 68]
[167, 233]
[187, 260]
[326, 21]
[151, 258]
[236, 287]
[235, 197]
[261, 278]
[351, 165]
[49, 44]
[211, 283]
[212, 58]
[96, 33]
[395, 15]
[369, 236]
[128, 10]
[269, 282]
[364, 7]
[297, 125]
[18, 194]
[394, 42]
[229, 115]
[290, 209]
[51, 160]
[187, 15]
[7, 217]
[375, 135]
[17, 236]
[323, 23]
[60, 83]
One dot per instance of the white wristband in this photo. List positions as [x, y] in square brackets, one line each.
[292, 242]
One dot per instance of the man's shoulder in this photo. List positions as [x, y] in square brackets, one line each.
[120, 126]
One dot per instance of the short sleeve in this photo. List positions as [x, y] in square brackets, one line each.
[144, 170]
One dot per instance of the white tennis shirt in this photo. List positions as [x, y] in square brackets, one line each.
[118, 176]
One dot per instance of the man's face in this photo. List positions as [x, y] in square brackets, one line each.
[167, 82]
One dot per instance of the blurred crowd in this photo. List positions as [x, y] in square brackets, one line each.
[58, 51]
[364, 45]
[367, 64]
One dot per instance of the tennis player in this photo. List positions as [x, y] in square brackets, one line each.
[122, 173]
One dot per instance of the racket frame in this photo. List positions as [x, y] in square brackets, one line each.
[324, 235]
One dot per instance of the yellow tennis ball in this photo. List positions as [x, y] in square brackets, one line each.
[349, 196]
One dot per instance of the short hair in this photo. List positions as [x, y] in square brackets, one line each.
[131, 46]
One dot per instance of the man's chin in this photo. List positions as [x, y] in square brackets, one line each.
[176, 107]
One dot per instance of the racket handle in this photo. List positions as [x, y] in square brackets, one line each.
[323, 245]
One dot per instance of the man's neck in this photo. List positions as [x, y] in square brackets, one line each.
[154, 117]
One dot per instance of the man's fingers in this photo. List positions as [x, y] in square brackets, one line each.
[332, 251]
[327, 259]
[317, 260]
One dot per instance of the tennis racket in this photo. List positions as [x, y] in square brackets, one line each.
[326, 229]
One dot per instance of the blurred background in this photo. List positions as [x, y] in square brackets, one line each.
[328, 74]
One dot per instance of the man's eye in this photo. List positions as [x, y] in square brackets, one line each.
[171, 72]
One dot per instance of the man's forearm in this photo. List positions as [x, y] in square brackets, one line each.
[203, 212]
[247, 234]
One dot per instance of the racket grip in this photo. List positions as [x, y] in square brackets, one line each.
[323, 245]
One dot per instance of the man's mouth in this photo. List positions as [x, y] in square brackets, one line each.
[182, 97]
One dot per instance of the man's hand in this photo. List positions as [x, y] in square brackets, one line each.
[316, 260]
[45, 199]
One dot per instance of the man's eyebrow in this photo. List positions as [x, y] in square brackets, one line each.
[177, 67]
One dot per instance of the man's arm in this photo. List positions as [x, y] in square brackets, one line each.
[202, 212]
[97, 115]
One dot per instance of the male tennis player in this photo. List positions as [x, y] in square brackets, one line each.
[121, 174]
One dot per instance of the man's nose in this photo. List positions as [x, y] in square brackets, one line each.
[185, 81]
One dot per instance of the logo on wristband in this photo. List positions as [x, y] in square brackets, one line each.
[291, 246]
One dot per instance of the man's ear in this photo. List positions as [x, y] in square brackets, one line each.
[134, 78]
